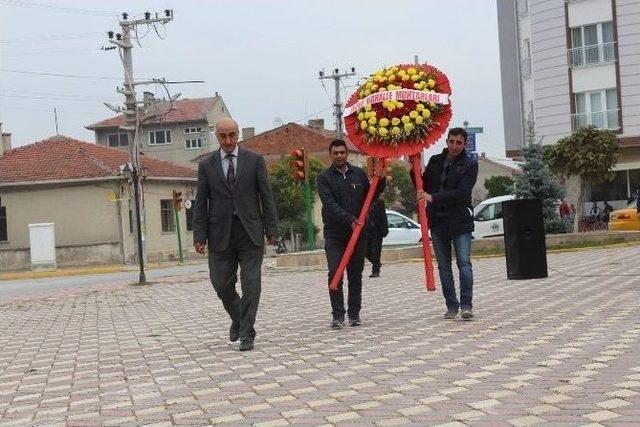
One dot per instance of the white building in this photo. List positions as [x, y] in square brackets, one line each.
[567, 63]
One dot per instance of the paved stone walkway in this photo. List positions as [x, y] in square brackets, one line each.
[564, 350]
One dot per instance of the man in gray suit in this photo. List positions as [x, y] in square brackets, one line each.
[234, 210]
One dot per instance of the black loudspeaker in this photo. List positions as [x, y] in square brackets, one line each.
[524, 243]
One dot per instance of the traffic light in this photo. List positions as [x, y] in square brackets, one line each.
[177, 199]
[298, 163]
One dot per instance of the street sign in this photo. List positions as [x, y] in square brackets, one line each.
[471, 143]
[472, 130]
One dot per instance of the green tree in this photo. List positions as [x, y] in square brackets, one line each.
[536, 181]
[499, 185]
[588, 153]
[289, 194]
[399, 188]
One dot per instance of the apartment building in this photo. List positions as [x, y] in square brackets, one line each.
[570, 63]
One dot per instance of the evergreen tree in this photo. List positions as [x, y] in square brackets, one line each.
[536, 181]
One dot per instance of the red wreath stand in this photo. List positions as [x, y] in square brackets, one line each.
[387, 151]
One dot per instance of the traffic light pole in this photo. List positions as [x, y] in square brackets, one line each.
[175, 209]
[311, 232]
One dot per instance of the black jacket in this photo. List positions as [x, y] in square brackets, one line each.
[451, 211]
[342, 197]
[377, 219]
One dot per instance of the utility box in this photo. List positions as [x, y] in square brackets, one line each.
[42, 240]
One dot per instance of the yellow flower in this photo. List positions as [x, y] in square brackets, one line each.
[395, 130]
[369, 85]
[378, 73]
[431, 82]
[388, 72]
[417, 86]
[372, 120]
[382, 89]
[372, 130]
[391, 87]
[405, 77]
[364, 125]
[392, 78]
[419, 120]
[402, 72]
[420, 107]
[395, 121]
[426, 113]
[374, 88]
[399, 104]
[367, 107]
[411, 71]
[391, 107]
[383, 79]
[432, 105]
[408, 127]
[384, 122]
[405, 119]
[360, 116]
[413, 114]
[385, 104]
[377, 78]
[415, 77]
[383, 132]
[367, 92]
[422, 73]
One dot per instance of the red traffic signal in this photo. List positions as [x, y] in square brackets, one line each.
[177, 199]
[298, 164]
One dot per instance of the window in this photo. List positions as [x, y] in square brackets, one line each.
[612, 190]
[598, 108]
[490, 212]
[158, 137]
[396, 221]
[193, 130]
[189, 213]
[525, 65]
[592, 45]
[193, 143]
[167, 216]
[118, 139]
[3, 223]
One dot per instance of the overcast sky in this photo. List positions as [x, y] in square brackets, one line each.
[263, 57]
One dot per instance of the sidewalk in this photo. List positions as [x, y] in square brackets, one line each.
[562, 351]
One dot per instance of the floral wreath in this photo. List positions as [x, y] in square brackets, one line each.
[399, 110]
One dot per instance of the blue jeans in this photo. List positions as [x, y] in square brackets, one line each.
[442, 248]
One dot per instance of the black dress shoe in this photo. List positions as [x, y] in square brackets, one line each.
[355, 321]
[234, 332]
[375, 274]
[246, 345]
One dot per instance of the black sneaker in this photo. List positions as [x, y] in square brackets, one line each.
[355, 321]
[246, 345]
[466, 314]
[375, 274]
[337, 323]
[451, 313]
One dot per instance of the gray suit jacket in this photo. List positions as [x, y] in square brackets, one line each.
[215, 201]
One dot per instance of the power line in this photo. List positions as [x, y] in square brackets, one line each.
[29, 92]
[58, 98]
[50, 52]
[53, 37]
[52, 8]
[75, 76]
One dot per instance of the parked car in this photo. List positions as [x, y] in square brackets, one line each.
[487, 217]
[402, 230]
[625, 219]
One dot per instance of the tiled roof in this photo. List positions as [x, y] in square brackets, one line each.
[64, 158]
[183, 110]
[284, 139]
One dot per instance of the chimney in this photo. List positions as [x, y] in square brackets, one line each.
[248, 133]
[148, 99]
[316, 123]
[5, 141]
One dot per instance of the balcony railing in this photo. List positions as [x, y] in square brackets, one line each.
[600, 119]
[602, 53]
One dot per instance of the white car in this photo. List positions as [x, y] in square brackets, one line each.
[487, 217]
[402, 230]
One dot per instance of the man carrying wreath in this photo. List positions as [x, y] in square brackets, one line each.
[449, 179]
[342, 188]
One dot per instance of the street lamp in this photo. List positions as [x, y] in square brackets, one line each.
[133, 177]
